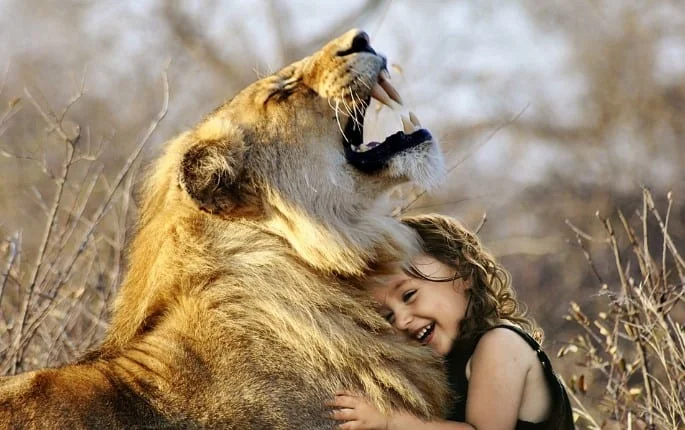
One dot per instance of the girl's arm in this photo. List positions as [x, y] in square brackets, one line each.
[498, 369]
[499, 366]
[403, 420]
[356, 413]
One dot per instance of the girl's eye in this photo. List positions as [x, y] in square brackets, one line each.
[389, 317]
[408, 295]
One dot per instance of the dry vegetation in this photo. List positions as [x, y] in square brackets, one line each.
[54, 307]
[632, 353]
[70, 152]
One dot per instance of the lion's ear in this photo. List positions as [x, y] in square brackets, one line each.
[212, 170]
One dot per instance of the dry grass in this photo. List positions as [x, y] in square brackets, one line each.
[633, 351]
[55, 291]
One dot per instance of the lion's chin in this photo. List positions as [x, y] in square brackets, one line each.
[423, 165]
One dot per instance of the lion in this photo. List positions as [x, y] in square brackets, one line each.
[244, 303]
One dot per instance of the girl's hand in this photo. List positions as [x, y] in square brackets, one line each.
[356, 412]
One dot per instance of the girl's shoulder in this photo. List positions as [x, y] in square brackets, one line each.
[510, 337]
[505, 346]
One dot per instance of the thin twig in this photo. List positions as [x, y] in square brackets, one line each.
[588, 257]
[52, 217]
[120, 177]
[76, 218]
[11, 257]
[667, 237]
[480, 225]
[583, 412]
[582, 234]
[632, 313]
[105, 206]
[473, 150]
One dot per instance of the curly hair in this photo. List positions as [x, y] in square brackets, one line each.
[492, 298]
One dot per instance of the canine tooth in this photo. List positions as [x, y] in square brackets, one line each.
[389, 89]
[407, 124]
[414, 119]
[378, 93]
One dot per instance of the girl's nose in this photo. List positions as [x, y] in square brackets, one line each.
[402, 320]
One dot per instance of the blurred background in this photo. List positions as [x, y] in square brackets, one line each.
[550, 113]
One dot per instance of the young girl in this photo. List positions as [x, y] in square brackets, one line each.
[459, 301]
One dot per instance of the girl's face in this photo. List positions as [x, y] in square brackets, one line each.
[426, 311]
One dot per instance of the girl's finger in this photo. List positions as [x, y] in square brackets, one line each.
[350, 425]
[343, 414]
[343, 402]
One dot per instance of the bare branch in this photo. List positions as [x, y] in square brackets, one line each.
[52, 218]
[12, 252]
[472, 150]
[14, 105]
[125, 170]
[481, 224]
[189, 34]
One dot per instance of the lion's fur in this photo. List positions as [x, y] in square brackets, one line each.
[243, 306]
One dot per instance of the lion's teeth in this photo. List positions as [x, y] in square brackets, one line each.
[378, 93]
[384, 82]
[407, 124]
[414, 119]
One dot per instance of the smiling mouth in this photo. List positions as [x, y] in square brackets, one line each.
[373, 156]
[424, 334]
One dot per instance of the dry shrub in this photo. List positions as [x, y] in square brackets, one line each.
[632, 354]
[61, 268]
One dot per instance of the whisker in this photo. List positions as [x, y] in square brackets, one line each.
[337, 118]
[335, 108]
[363, 81]
[356, 111]
[357, 107]
[349, 111]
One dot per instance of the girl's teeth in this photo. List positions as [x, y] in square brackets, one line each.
[423, 332]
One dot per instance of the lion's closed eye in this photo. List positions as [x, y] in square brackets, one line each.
[279, 95]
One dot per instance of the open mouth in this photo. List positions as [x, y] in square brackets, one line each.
[373, 156]
[424, 335]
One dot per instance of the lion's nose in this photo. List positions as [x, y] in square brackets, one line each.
[360, 43]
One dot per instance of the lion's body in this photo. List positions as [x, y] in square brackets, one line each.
[243, 306]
